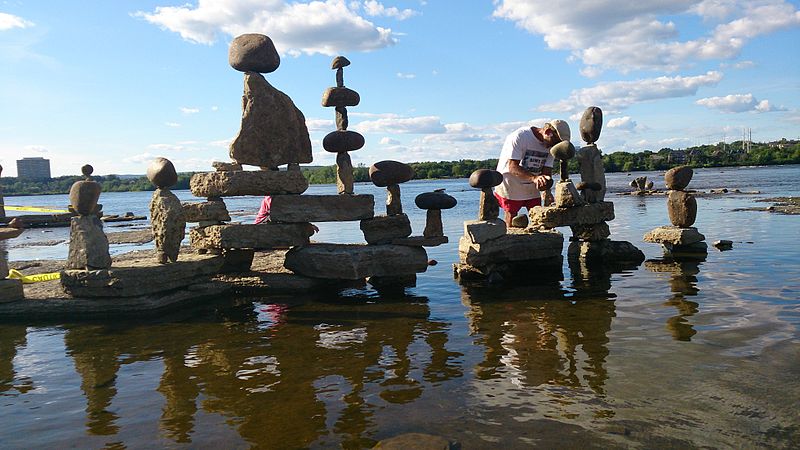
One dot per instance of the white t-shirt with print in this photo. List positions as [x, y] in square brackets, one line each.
[522, 145]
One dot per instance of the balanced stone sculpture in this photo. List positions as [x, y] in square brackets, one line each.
[342, 141]
[10, 290]
[590, 159]
[273, 130]
[2, 204]
[434, 203]
[88, 245]
[566, 193]
[166, 213]
[390, 174]
[485, 180]
[681, 237]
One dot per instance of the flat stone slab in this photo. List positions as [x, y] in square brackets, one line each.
[480, 231]
[385, 229]
[258, 182]
[516, 245]
[322, 208]
[671, 235]
[421, 241]
[211, 211]
[551, 216]
[255, 236]
[606, 251]
[11, 290]
[139, 277]
[355, 261]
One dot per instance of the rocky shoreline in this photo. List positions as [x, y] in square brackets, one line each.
[780, 205]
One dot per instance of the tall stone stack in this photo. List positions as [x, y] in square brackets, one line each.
[2, 204]
[491, 252]
[583, 207]
[10, 290]
[681, 238]
[88, 244]
[166, 212]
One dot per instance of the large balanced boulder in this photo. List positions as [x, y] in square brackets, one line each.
[253, 53]
[675, 236]
[88, 245]
[384, 229]
[682, 208]
[387, 173]
[254, 236]
[591, 124]
[169, 224]
[563, 151]
[678, 178]
[342, 141]
[253, 182]
[485, 178]
[517, 245]
[161, 172]
[340, 96]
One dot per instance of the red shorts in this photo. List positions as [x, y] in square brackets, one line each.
[513, 206]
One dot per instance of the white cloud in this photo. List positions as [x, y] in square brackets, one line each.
[186, 110]
[140, 158]
[407, 76]
[373, 8]
[389, 141]
[172, 124]
[738, 103]
[615, 96]
[40, 149]
[320, 125]
[612, 34]
[9, 21]
[328, 27]
[404, 125]
[215, 108]
[622, 123]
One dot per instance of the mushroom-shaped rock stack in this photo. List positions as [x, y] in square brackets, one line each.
[342, 141]
[395, 224]
[10, 290]
[566, 193]
[434, 203]
[590, 159]
[680, 239]
[166, 213]
[485, 180]
[88, 244]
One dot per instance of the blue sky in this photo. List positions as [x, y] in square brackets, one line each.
[117, 83]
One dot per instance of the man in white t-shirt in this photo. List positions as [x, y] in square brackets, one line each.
[527, 166]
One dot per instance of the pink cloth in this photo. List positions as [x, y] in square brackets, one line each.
[263, 212]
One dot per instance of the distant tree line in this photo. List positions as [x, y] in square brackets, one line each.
[719, 155]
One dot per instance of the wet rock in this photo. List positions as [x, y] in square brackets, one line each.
[552, 217]
[591, 232]
[342, 141]
[723, 244]
[354, 261]
[88, 245]
[417, 441]
[161, 172]
[253, 53]
[480, 231]
[678, 178]
[257, 182]
[674, 236]
[485, 178]
[340, 96]
[261, 236]
[169, 224]
[387, 173]
[606, 251]
[321, 208]
[384, 229]
[682, 208]
[591, 124]
[273, 130]
[236, 260]
[516, 245]
[210, 211]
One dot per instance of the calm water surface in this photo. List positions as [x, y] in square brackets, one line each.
[669, 354]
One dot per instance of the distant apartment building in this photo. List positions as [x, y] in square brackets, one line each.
[36, 168]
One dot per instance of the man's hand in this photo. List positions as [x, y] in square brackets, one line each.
[540, 181]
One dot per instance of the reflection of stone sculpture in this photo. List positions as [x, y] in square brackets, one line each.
[681, 237]
[166, 214]
[88, 245]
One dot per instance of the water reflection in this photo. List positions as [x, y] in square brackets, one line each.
[683, 283]
[12, 338]
[291, 374]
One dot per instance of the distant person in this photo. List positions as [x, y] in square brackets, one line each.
[263, 211]
[527, 166]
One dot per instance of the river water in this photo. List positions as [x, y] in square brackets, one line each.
[669, 354]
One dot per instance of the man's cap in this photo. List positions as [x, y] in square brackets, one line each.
[562, 128]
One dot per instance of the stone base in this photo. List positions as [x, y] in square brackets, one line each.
[594, 232]
[421, 241]
[480, 231]
[516, 245]
[606, 252]
[321, 208]
[552, 217]
[385, 229]
[11, 290]
[139, 277]
[354, 261]
[211, 211]
[673, 236]
[529, 272]
[692, 251]
[237, 260]
[260, 236]
[259, 182]
[567, 195]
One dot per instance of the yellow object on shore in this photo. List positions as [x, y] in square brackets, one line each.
[30, 279]
[34, 209]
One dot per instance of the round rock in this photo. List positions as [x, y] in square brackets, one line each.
[386, 173]
[339, 62]
[253, 52]
[678, 178]
[161, 173]
[563, 151]
[435, 200]
[682, 208]
[485, 178]
[83, 196]
[342, 141]
[340, 96]
[87, 170]
[591, 124]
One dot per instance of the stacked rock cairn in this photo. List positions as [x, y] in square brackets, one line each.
[488, 251]
[583, 207]
[681, 238]
[166, 213]
[88, 244]
[10, 290]
[2, 204]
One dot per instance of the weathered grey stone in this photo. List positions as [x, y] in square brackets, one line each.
[273, 130]
[682, 208]
[693, 250]
[3, 261]
[384, 229]
[353, 261]
[520, 221]
[220, 166]
[83, 196]
[591, 124]
[433, 223]
[394, 204]
[591, 232]
[590, 164]
[321, 208]
[11, 290]
[211, 211]
[344, 174]
[421, 241]
[258, 182]
[485, 178]
[605, 251]
[342, 141]
[341, 118]
[169, 224]
[674, 235]
[340, 96]
[88, 245]
[516, 245]
[678, 178]
[261, 236]
[639, 183]
[551, 217]
[387, 173]
[567, 196]
[723, 244]
[563, 151]
[480, 231]
[253, 53]
[435, 200]
[237, 260]
[488, 208]
[140, 277]
[339, 62]
[417, 441]
[161, 172]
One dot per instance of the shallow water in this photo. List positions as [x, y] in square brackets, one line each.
[677, 354]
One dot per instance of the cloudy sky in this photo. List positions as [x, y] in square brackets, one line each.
[116, 83]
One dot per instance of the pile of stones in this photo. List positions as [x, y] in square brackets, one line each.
[583, 207]
[491, 252]
[681, 238]
[641, 185]
[10, 290]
